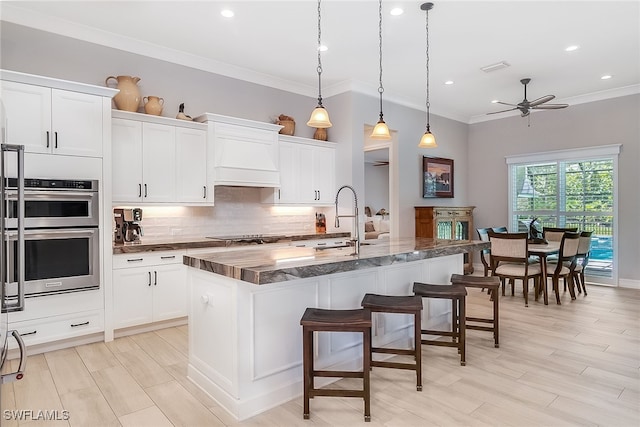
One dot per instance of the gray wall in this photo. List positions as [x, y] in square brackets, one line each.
[376, 194]
[612, 121]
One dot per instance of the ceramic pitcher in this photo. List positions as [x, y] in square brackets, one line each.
[128, 99]
[153, 105]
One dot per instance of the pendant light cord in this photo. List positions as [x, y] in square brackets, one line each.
[428, 103]
[380, 88]
[319, 69]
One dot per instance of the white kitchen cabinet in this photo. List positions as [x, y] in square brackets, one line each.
[307, 173]
[53, 121]
[148, 287]
[159, 160]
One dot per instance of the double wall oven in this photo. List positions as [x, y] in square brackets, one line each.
[61, 236]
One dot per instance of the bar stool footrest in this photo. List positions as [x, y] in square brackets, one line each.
[479, 319]
[338, 374]
[443, 333]
[395, 365]
[480, 328]
[408, 352]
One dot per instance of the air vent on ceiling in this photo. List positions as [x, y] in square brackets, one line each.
[495, 67]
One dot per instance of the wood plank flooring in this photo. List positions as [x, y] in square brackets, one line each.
[577, 364]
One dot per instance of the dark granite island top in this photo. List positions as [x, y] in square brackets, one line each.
[174, 243]
[281, 264]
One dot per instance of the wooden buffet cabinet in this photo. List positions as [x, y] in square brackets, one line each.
[450, 223]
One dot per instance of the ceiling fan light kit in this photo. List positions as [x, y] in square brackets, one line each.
[525, 106]
[428, 140]
[319, 116]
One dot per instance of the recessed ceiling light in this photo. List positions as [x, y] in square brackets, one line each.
[572, 48]
[396, 11]
[227, 13]
[323, 48]
[606, 77]
[449, 82]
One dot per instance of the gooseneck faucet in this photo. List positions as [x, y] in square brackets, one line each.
[355, 241]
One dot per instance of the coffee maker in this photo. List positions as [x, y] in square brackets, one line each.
[127, 227]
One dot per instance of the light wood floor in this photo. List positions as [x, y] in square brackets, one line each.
[575, 364]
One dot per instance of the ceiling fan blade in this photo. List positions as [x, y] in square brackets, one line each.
[550, 106]
[505, 103]
[541, 100]
[502, 111]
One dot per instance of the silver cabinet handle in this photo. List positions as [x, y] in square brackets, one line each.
[19, 374]
[204, 195]
[56, 139]
[168, 257]
[47, 139]
[134, 259]
[139, 190]
[149, 278]
[155, 278]
[145, 190]
[35, 331]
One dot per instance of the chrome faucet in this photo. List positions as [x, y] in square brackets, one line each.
[355, 241]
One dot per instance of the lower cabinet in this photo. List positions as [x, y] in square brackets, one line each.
[148, 287]
[40, 331]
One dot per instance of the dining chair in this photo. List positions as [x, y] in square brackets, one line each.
[582, 259]
[554, 234]
[565, 264]
[510, 260]
[483, 234]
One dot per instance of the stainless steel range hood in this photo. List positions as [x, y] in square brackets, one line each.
[242, 152]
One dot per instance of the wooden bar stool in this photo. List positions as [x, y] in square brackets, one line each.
[457, 295]
[492, 283]
[410, 304]
[317, 319]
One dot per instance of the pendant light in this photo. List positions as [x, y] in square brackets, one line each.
[319, 117]
[381, 130]
[427, 140]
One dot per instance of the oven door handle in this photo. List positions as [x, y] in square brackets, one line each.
[18, 305]
[53, 194]
[62, 232]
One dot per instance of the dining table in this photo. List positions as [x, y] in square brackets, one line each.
[542, 251]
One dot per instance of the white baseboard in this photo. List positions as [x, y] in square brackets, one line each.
[629, 283]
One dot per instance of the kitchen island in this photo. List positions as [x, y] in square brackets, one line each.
[245, 339]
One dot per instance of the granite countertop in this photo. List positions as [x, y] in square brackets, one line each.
[270, 265]
[175, 243]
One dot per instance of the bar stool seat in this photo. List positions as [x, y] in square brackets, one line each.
[409, 304]
[492, 283]
[317, 319]
[457, 294]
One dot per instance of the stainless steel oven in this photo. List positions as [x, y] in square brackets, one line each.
[61, 236]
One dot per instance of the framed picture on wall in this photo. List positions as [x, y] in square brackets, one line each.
[437, 177]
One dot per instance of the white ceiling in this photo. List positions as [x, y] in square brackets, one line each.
[274, 43]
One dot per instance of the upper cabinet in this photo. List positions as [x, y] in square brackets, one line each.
[159, 160]
[50, 116]
[307, 173]
[242, 152]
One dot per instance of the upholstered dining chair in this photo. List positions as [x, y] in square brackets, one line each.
[554, 234]
[510, 260]
[483, 234]
[582, 259]
[565, 265]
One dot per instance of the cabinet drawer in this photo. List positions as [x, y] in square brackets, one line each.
[145, 259]
[56, 328]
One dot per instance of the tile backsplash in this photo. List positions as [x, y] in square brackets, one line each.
[237, 211]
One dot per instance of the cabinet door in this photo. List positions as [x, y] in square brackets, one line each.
[169, 291]
[158, 162]
[191, 166]
[76, 123]
[445, 228]
[324, 169]
[28, 110]
[307, 192]
[288, 193]
[132, 297]
[126, 146]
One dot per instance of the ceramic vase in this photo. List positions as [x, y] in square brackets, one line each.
[128, 99]
[153, 105]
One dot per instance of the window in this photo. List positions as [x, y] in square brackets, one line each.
[569, 188]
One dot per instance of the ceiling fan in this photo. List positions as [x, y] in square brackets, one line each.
[526, 106]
